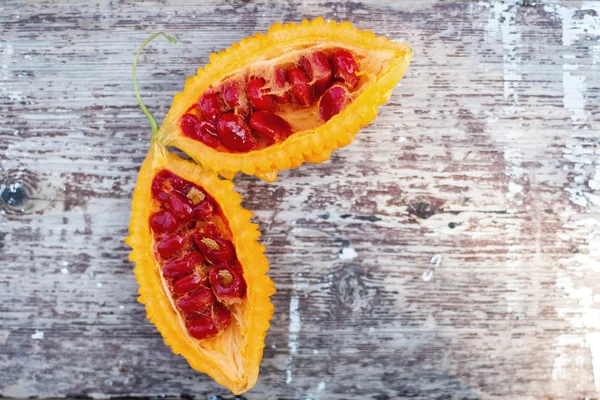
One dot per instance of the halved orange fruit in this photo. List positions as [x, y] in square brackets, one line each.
[275, 101]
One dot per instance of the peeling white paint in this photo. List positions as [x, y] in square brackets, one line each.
[573, 29]
[427, 275]
[573, 100]
[514, 187]
[563, 360]
[322, 385]
[38, 335]
[348, 253]
[593, 342]
[594, 183]
[435, 261]
[585, 313]
[594, 199]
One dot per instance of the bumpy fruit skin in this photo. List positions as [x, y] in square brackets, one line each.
[311, 145]
[232, 358]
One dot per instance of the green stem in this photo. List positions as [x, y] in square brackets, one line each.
[151, 119]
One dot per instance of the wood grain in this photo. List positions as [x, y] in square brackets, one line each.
[450, 252]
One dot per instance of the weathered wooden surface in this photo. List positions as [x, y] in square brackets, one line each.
[491, 291]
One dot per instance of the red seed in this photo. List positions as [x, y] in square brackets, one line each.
[188, 284]
[270, 125]
[206, 132]
[188, 123]
[158, 189]
[345, 67]
[301, 90]
[166, 182]
[203, 210]
[279, 86]
[215, 249]
[318, 70]
[181, 206]
[202, 327]
[210, 229]
[211, 105]
[170, 246]
[227, 284]
[235, 134]
[221, 316]
[333, 101]
[164, 221]
[197, 302]
[259, 99]
[235, 97]
[185, 266]
[231, 94]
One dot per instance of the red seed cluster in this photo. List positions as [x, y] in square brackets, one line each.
[241, 114]
[198, 262]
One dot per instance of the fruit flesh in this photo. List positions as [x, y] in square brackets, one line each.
[290, 86]
[191, 238]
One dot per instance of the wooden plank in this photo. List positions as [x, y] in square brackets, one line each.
[450, 251]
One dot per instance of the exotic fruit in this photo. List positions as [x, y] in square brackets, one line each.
[201, 271]
[274, 101]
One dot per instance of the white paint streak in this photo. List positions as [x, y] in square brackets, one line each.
[4, 336]
[493, 24]
[295, 325]
[506, 14]
[348, 253]
[563, 360]
[573, 100]
[503, 19]
[594, 199]
[585, 315]
[593, 342]
[38, 335]
[294, 330]
[514, 187]
[594, 183]
[322, 385]
[64, 270]
[6, 55]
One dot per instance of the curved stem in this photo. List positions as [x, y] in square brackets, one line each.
[151, 119]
